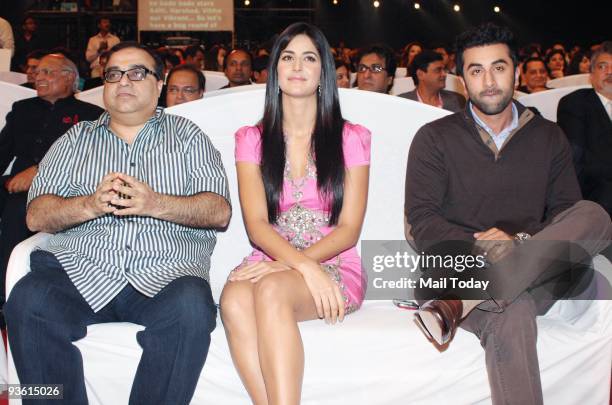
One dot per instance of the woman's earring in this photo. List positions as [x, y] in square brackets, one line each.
[319, 90]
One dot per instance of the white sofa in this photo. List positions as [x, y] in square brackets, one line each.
[547, 101]
[378, 356]
[13, 77]
[571, 80]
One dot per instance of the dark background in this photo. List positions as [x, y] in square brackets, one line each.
[358, 23]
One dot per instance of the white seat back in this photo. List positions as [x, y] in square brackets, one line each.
[214, 80]
[569, 81]
[393, 122]
[13, 77]
[546, 101]
[10, 93]
[237, 89]
[402, 85]
[93, 96]
[5, 60]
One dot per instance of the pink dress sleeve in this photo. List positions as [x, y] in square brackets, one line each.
[356, 144]
[248, 145]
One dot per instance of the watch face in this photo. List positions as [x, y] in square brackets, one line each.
[522, 236]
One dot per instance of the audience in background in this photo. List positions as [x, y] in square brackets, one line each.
[343, 75]
[194, 55]
[442, 50]
[260, 68]
[184, 83]
[580, 63]
[215, 57]
[410, 51]
[26, 42]
[97, 81]
[586, 118]
[376, 69]
[535, 76]
[32, 61]
[238, 67]
[98, 44]
[429, 75]
[170, 60]
[555, 63]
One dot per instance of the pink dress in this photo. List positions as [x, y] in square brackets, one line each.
[304, 216]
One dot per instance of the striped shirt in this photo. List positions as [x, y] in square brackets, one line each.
[173, 156]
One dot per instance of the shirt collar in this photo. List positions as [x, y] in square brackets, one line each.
[156, 118]
[511, 127]
[604, 100]
[440, 102]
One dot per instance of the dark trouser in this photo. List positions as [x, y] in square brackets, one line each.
[45, 313]
[13, 228]
[509, 337]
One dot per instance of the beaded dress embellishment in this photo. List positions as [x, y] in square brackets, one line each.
[301, 226]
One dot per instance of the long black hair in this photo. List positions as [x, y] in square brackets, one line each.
[326, 141]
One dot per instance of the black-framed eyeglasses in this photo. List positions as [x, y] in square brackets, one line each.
[374, 68]
[136, 74]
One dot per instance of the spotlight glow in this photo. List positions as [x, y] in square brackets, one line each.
[496, 9]
[456, 8]
[417, 6]
[335, 1]
[247, 2]
[376, 3]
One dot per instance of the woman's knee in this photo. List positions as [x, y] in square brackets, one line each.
[274, 291]
[236, 301]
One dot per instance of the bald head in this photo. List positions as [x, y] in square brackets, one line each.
[56, 77]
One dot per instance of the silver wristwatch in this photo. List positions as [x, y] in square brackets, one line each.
[521, 237]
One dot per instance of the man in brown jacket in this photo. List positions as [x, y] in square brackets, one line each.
[500, 180]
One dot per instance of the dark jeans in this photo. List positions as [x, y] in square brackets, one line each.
[13, 228]
[45, 313]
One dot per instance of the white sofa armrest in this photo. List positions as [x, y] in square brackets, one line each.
[19, 263]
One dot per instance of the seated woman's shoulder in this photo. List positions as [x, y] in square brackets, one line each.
[355, 130]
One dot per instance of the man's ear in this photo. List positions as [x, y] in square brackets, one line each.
[517, 74]
[420, 73]
[160, 86]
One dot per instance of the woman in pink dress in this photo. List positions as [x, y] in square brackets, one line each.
[303, 182]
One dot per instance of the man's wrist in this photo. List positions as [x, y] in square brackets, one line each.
[160, 206]
[89, 207]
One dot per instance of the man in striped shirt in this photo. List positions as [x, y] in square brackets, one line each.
[133, 200]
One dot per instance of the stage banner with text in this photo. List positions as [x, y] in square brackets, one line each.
[186, 15]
